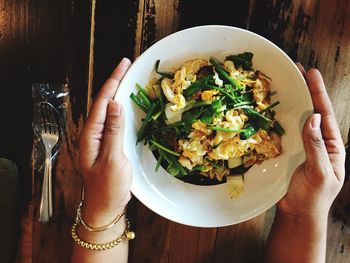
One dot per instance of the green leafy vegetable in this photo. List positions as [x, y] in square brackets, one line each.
[146, 122]
[228, 95]
[145, 99]
[278, 128]
[223, 73]
[248, 132]
[243, 60]
[162, 147]
[258, 120]
[175, 139]
[160, 159]
[270, 107]
[139, 102]
[215, 128]
[196, 86]
[173, 169]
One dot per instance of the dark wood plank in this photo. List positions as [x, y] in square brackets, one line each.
[237, 242]
[115, 33]
[46, 41]
[156, 19]
[184, 243]
[317, 34]
[15, 99]
[331, 39]
[153, 235]
[115, 38]
[222, 12]
[206, 243]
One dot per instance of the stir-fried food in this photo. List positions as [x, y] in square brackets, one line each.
[210, 120]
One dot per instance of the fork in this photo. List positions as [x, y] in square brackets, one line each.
[50, 135]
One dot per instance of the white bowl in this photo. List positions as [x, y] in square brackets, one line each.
[265, 184]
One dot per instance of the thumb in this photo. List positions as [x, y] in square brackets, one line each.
[316, 153]
[113, 134]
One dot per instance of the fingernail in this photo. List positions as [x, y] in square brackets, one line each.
[125, 61]
[115, 108]
[316, 121]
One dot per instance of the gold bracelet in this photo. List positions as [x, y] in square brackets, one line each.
[127, 235]
[98, 229]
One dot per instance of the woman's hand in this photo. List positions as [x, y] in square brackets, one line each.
[316, 183]
[105, 170]
[299, 231]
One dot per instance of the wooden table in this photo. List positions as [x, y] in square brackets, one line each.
[80, 42]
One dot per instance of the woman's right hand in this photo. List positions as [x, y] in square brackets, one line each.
[316, 182]
[299, 230]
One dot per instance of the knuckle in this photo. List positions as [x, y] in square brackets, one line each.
[317, 142]
[112, 128]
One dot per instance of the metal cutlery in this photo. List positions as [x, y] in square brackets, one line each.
[50, 134]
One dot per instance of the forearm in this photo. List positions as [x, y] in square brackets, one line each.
[295, 240]
[117, 254]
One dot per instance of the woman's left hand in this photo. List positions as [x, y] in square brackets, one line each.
[105, 170]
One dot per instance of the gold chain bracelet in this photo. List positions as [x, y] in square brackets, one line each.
[127, 234]
[98, 229]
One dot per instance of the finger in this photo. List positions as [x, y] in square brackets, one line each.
[120, 71]
[301, 68]
[113, 131]
[92, 132]
[97, 113]
[315, 148]
[323, 105]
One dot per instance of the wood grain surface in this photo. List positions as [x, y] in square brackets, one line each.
[43, 41]
[80, 42]
[316, 33]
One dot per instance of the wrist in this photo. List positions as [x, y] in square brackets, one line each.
[303, 238]
[96, 216]
[315, 222]
[99, 211]
[103, 236]
[310, 214]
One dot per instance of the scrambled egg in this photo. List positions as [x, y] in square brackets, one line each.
[230, 68]
[192, 153]
[234, 121]
[209, 95]
[229, 144]
[269, 145]
[225, 145]
[173, 88]
[234, 147]
[200, 131]
[261, 90]
[244, 77]
[206, 147]
[176, 98]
